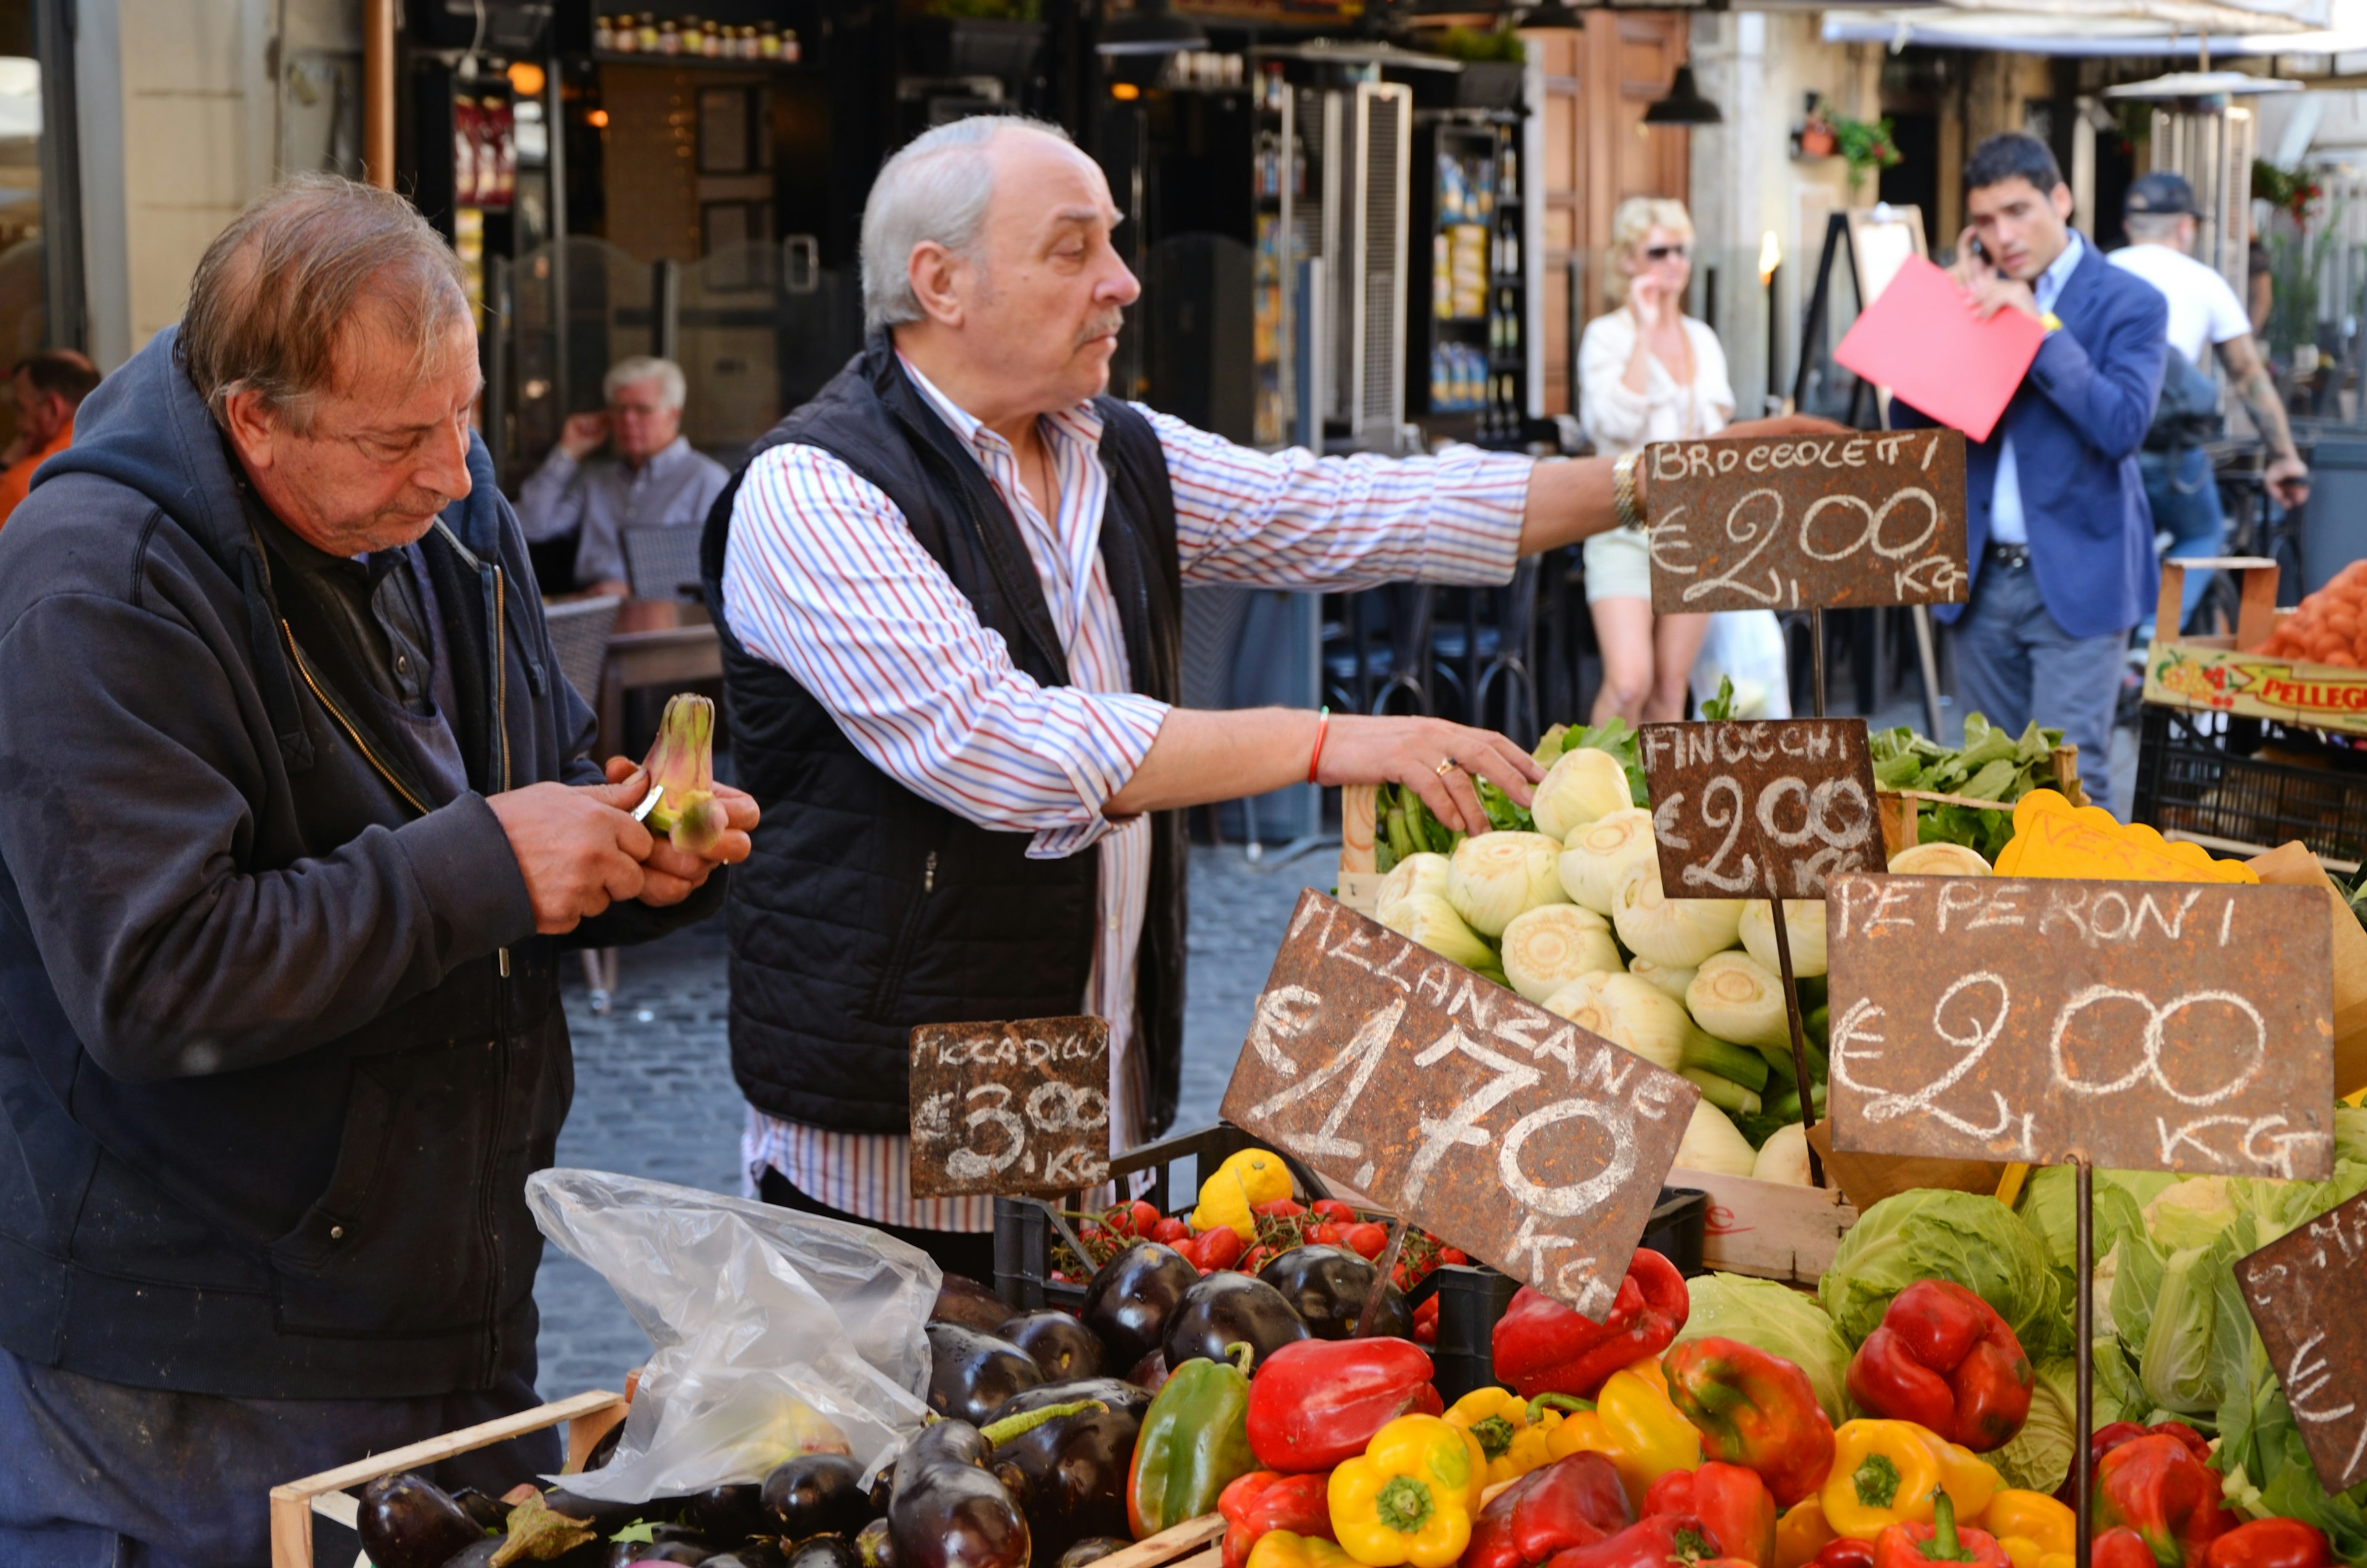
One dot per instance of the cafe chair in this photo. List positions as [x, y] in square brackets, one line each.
[663, 563]
[579, 641]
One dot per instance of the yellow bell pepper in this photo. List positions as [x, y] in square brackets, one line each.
[1280, 1549]
[1634, 1424]
[2031, 1528]
[1230, 1195]
[1970, 1481]
[1883, 1474]
[1409, 1498]
[1802, 1532]
[1510, 1442]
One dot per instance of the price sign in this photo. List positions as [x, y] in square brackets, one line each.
[1742, 810]
[1010, 1108]
[1512, 1134]
[2307, 1292]
[2151, 1025]
[1805, 522]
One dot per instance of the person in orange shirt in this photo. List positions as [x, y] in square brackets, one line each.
[48, 386]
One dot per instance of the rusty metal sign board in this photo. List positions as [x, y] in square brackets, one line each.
[1806, 522]
[1740, 810]
[2147, 1025]
[2307, 1292]
[1511, 1134]
[1014, 1108]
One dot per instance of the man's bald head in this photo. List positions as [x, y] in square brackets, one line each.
[938, 191]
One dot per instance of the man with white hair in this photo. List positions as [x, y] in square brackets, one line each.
[950, 590]
[656, 479]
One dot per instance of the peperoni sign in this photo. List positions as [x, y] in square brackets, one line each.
[1814, 523]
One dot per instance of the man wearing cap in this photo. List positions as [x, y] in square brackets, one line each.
[2203, 311]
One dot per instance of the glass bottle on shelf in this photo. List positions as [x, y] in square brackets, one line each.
[1484, 183]
[669, 40]
[604, 33]
[768, 42]
[1507, 247]
[625, 38]
[646, 36]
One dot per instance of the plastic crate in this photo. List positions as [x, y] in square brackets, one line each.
[2244, 785]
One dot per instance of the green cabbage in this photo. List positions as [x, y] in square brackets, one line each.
[2177, 1367]
[2040, 1455]
[1930, 1234]
[2047, 1209]
[2115, 1394]
[2191, 1214]
[1776, 1319]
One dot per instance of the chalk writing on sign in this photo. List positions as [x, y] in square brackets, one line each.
[1509, 1132]
[1803, 522]
[2307, 1293]
[1010, 1108]
[2149, 1025]
[1740, 810]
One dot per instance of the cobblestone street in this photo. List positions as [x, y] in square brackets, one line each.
[654, 1095]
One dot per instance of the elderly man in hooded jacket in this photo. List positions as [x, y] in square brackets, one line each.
[298, 812]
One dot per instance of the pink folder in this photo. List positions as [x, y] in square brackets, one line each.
[1919, 341]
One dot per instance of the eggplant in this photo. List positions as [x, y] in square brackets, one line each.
[1226, 1309]
[1128, 1302]
[1093, 1549]
[1149, 1374]
[815, 1495]
[486, 1512]
[1062, 1348]
[754, 1554]
[969, 1304]
[947, 1512]
[1112, 1392]
[970, 1374]
[625, 1553]
[605, 1517]
[872, 1549]
[1326, 1287]
[824, 1552]
[605, 1448]
[1069, 1474]
[408, 1521]
[728, 1513]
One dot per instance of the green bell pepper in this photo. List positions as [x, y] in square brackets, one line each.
[1195, 1442]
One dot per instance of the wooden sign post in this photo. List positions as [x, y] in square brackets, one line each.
[1013, 1108]
[2152, 1025]
[2307, 1295]
[1512, 1134]
[1848, 520]
[1766, 810]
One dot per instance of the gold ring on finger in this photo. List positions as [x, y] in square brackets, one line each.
[1445, 767]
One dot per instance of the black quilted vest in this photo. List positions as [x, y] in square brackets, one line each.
[865, 910]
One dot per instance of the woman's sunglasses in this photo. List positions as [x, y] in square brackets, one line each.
[1666, 253]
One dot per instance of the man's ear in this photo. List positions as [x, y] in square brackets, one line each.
[250, 425]
[2061, 196]
[936, 275]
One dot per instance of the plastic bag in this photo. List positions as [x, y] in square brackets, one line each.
[767, 1324]
[1748, 646]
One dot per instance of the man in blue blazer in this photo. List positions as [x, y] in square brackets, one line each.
[2059, 533]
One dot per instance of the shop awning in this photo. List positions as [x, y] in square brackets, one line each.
[2161, 27]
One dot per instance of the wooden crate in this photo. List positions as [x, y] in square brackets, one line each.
[588, 1417]
[1768, 1229]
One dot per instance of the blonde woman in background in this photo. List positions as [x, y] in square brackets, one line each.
[1648, 372]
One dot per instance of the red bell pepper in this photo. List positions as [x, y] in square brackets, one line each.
[2113, 1434]
[1753, 1409]
[1543, 1346]
[2156, 1486]
[1574, 1501]
[1317, 1402]
[1732, 1501]
[1942, 1540]
[2269, 1544]
[1663, 1540]
[2120, 1547]
[1945, 1359]
[1267, 1500]
[1845, 1552]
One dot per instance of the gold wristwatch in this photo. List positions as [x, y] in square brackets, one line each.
[1623, 492]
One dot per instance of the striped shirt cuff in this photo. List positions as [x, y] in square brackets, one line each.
[1099, 750]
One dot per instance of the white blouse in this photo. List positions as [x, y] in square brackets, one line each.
[1619, 421]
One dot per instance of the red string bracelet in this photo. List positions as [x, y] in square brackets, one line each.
[1322, 727]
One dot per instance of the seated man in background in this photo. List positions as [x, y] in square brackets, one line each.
[656, 479]
[48, 387]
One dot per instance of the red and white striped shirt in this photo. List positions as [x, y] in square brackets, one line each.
[822, 578]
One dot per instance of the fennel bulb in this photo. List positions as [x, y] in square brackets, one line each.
[1493, 877]
[1585, 785]
[1679, 932]
[1430, 920]
[1659, 975]
[1938, 859]
[1601, 853]
[1734, 997]
[1783, 1156]
[1548, 947]
[1421, 873]
[1712, 1143]
[1804, 919]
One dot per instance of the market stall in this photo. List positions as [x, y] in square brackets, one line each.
[1776, 1146]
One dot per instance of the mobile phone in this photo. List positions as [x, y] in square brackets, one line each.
[1980, 250]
